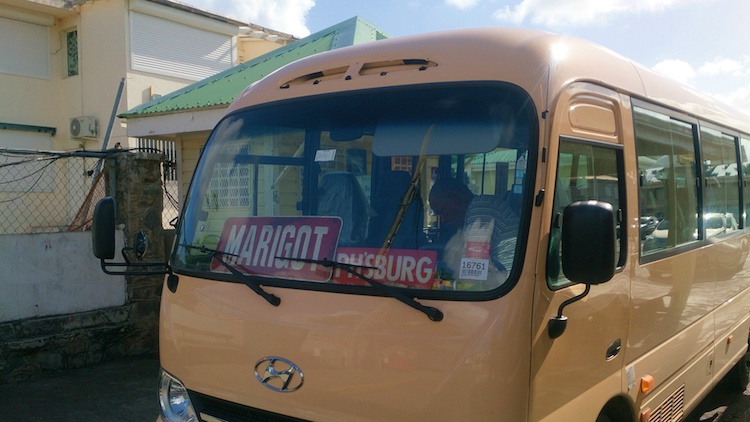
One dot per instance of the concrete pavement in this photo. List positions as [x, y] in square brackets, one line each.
[118, 391]
[125, 391]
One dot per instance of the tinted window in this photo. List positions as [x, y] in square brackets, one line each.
[667, 190]
[419, 189]
[722, 187]
[584, 172]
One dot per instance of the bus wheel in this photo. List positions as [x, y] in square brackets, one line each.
[603, 418]
[617, 410]
[739, 376]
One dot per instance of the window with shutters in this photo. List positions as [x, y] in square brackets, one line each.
[170, 48]
[24, 49]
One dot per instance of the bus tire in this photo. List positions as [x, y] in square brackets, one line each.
[617, 410]
[739, 376]
[604, 418]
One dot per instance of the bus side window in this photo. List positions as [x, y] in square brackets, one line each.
[721, 199]
[745, 163]
[584, 172]
[667, 190]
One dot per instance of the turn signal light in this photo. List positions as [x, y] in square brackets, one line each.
[647, 383]
[646, 415]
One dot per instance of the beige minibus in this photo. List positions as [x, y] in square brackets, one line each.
[447, 227]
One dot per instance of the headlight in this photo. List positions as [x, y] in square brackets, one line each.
[174, 400]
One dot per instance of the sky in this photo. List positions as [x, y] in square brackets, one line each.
[702, 43]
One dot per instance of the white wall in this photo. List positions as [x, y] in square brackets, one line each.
[53, 274]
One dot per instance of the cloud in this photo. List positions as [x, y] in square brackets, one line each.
[721, 66]
[462, 4]
[739, 99]
[558, 13]
[717, 68]
[676, 69]
[281, 15]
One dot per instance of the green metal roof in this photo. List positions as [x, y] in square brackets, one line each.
[496, 156]
[221, 89]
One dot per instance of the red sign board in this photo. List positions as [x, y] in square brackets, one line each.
[406, 267]
[256, 245]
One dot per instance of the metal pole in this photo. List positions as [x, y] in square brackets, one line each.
[98, 167]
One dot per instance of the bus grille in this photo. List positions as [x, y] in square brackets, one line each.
[672, 409]
[212, 409]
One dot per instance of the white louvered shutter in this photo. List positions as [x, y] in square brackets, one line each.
[169, 48]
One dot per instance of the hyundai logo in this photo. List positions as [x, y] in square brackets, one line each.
[279, 374]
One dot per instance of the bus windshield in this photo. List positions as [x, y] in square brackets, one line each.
[418, 188]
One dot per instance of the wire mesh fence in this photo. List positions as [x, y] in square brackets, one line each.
[47, 192]
[43, 192]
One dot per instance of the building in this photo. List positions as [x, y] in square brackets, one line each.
[187, 116]
[67, 68]
[63, 61]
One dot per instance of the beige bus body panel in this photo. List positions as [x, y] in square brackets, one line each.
[689, 322]
[573, 370]
[521, 57]
[683, 319]
[363, 358]
[374, 358]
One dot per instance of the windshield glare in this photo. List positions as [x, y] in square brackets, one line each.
[416, 188]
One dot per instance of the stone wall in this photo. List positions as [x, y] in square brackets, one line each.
[136, 182]
[34, 346]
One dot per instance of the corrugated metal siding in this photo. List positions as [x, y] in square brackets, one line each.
[169, 48]
[24, 49]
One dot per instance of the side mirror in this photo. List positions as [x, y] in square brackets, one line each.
[103, 242]
[103, 229]
[589, 236]
[588, 242]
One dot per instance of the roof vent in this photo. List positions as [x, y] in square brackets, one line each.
[317, 77]
[387, 66]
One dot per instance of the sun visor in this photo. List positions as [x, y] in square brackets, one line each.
[398, 138]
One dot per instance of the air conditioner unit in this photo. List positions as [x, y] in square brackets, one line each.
[83, 127]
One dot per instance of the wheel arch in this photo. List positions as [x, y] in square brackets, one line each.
[617, 409]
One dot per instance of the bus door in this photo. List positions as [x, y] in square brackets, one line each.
[573, 376]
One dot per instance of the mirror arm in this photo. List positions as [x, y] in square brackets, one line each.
[124, 255]
[557, 324]
[166, 269]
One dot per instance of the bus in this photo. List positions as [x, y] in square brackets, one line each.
[449, 227]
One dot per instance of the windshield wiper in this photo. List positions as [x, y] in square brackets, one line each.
[249, 281]
[409, 195]
[433, 314]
